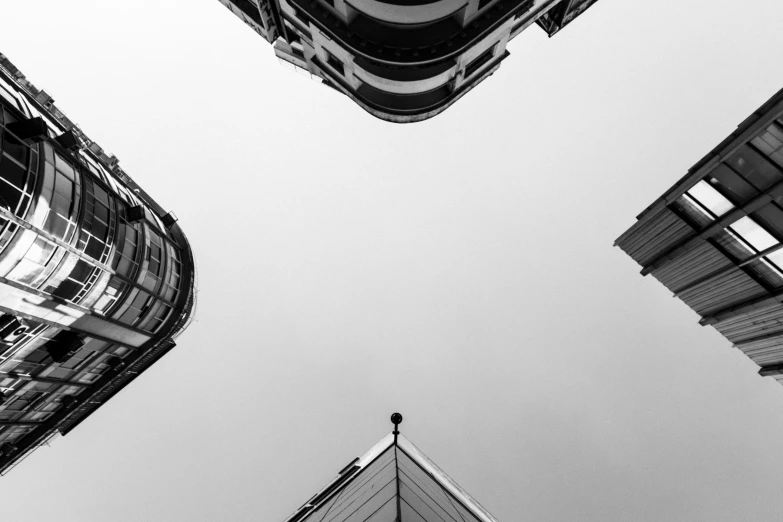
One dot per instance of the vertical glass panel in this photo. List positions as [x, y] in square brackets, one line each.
[751, 232]
[710, 198]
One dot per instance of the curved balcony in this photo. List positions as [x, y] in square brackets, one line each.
[413, 45]
[408, 11]
[411, 107]
[404, 80]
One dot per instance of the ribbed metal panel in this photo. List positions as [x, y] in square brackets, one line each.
[653, 235]
[766, 351]
[721, 292]
[753, 324]
[691, 266]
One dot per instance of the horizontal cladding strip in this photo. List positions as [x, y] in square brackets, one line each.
[771, 370]
[753, 324]
[38, 307]
[726, 285]
[690, 269]
[718, 295]
[635, 236]
[739, 309]
[654, 236]
[771, 354]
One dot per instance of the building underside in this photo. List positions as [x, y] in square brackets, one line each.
[715, 239]
[401, 60]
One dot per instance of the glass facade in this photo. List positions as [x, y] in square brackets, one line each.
[93, 285]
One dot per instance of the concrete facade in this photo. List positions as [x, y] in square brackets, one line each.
[715, 239]
[96, 279]
[401, 61]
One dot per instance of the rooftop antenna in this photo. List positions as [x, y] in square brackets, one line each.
[396, 419]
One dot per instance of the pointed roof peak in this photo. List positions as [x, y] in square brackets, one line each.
[393, 482]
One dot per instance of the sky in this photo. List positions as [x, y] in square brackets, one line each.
[458, 270]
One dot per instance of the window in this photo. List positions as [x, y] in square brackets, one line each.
[71, 288]
[478, 62]
[710, 198]
[114, 290]
[334, 63]
[753, 234]
[770, 142]
[154, 260]
[692, 211]
[34, 262]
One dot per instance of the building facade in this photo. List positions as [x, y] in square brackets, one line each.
[393, 482]
[96, 279]
[715, 239]
[400, 60]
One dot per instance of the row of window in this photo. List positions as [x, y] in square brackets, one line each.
[36, 401]
[63, 274]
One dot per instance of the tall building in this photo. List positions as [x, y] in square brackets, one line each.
[715, 239]
[96, 279]
[393, 482]
[400, 60]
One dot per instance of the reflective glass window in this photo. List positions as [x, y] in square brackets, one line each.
[34, 262]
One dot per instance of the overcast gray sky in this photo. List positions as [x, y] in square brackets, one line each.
[458, 270]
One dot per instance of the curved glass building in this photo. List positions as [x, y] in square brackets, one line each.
[400, 60]
[96, 279]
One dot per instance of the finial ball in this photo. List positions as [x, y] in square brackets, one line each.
[396, 418]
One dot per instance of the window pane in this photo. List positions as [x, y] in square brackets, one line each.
[710, 198]
[751, 232]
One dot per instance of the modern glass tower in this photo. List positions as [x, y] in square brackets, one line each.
[400, 60]
[715, 239]
[393, 482]
[96, 279]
